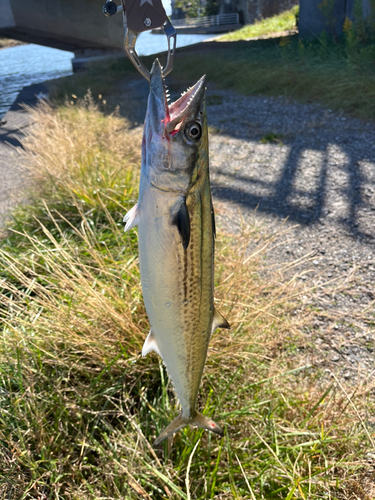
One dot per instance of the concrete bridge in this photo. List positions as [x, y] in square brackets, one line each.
[78, 26]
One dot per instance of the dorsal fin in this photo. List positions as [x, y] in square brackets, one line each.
[181, 220]
[150, 344]
[219, 321]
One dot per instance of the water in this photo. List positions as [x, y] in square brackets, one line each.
[148, 44]
[29, 64]
[26, 65]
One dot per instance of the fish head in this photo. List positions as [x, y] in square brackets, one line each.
[175, 139]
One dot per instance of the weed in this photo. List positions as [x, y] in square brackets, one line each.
[272, 138]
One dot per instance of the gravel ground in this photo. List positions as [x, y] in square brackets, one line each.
[274, 160]
[284, 164]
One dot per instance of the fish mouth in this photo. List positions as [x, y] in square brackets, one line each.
[173, 115]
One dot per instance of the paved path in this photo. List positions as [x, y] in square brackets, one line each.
[12, 129]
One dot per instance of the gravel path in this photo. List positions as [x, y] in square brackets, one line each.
[275, 159]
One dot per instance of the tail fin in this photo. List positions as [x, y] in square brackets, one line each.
[206, 423]
[198, 420]
[173, 427]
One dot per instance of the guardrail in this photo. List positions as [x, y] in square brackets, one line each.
[207, 21]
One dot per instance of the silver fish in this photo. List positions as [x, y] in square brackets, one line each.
[176, 233]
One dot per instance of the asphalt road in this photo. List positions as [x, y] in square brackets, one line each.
[13, 127]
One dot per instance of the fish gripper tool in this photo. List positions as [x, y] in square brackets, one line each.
[139, 16]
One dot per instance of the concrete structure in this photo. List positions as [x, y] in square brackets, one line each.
[328, 15]
[75, 25]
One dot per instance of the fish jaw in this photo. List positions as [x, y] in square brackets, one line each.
[168, 119]
[169, 150]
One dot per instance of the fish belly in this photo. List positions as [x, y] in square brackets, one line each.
[177, 287]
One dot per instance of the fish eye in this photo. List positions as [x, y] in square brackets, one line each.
[194, 131]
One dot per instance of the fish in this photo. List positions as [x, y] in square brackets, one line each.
[176, 239]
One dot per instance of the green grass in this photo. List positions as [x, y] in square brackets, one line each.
[282, 22]
[272, 138]
[79, 406]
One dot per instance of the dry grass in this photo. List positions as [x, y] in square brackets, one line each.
[5, 43]
[79, 406]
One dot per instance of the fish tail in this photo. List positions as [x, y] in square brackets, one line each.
[173, 427]
[198, 420]
[206, 423]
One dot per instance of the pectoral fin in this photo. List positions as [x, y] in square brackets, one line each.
[150, 344]
[181, 220]
[131, 218]
[219, 321]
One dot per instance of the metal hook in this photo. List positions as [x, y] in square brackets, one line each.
[130, 41]
[139, 22]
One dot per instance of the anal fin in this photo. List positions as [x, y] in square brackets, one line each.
[219, 321]
[131, 218]
[150, 344]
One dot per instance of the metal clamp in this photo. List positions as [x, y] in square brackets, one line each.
[139, 16]
[130, 41]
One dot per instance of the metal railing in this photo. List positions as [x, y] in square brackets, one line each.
[207, 21]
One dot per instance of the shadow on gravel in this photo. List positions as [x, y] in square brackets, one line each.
[282, 198]
[8, 139]
[15, 121]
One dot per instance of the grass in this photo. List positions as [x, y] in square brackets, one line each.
[272, 138]
[79, 406]
[285, 21]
